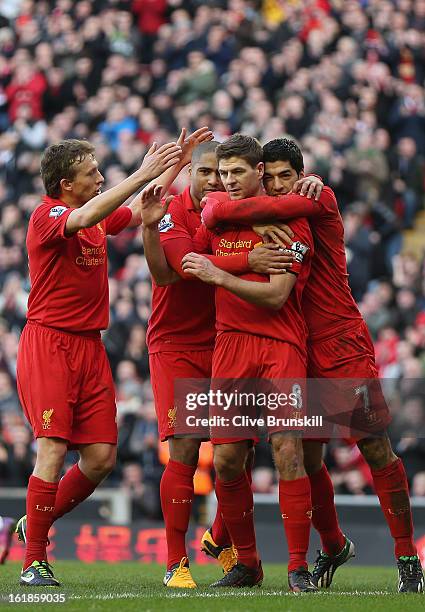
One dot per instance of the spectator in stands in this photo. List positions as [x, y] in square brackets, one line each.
[144, 493]
[409, 426]
[8, 397]
[359, 247]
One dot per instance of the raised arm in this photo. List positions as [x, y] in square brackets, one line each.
[187, 145]
[167, 178]
[152, 211]
[98, 208]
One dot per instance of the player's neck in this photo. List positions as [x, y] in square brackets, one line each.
[260, 191]
[196, 202]
[70, 201]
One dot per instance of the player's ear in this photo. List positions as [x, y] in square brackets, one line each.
[301, 174]
[260, 170]
[66, 185]
[189, 169]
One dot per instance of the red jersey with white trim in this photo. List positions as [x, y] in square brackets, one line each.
[69, 274]
[327, 303]
[237, 315]
[183, 314]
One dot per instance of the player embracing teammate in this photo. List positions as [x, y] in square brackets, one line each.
[261, 334]
[180, 339]
[340, 350]
[177, 238]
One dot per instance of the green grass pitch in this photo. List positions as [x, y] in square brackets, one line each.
[134, 586]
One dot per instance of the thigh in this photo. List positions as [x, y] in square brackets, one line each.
[346, 384]
[236, 356]
[173, 374]
[235, 370]
[46, 382]
[284, 374]
[95, 413]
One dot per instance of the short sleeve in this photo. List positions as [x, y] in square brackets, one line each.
[49, 222]
[176, 238]
[118, 220]
[173, 224]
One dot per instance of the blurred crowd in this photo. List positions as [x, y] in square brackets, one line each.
[346, 78]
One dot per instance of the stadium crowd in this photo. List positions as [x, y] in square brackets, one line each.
[345, 78]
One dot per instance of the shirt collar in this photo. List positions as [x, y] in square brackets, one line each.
[53, 201]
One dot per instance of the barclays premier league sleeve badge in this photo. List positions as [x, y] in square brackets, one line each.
[166, 223]
[57, 211]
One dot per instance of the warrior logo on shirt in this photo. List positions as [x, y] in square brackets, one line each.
[165, 224]
[299, 249]
[57, 211]
[47, 415]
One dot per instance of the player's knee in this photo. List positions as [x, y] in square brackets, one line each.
[51, 454]
[312, 465]
[229, 462]
[377, 452]
[288, 456]
[250, 459]
[313, 453]
[184, 450]
[99, 464]
[107, 463]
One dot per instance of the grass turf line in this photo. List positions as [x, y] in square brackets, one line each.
[136, 586]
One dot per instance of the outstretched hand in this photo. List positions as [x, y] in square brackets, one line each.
[152, 207]
[157, 160]
[189, 143]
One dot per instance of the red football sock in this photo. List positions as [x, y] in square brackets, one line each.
[237, 507]
[324, 517]
[40, 506]
[295, 506]
[176, 501]
[393, 491]
[73, 488]
[219, 530]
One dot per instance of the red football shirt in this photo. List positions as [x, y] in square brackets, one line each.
[183, 314]
[69, 274]
[328, 305]
[234, 313]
